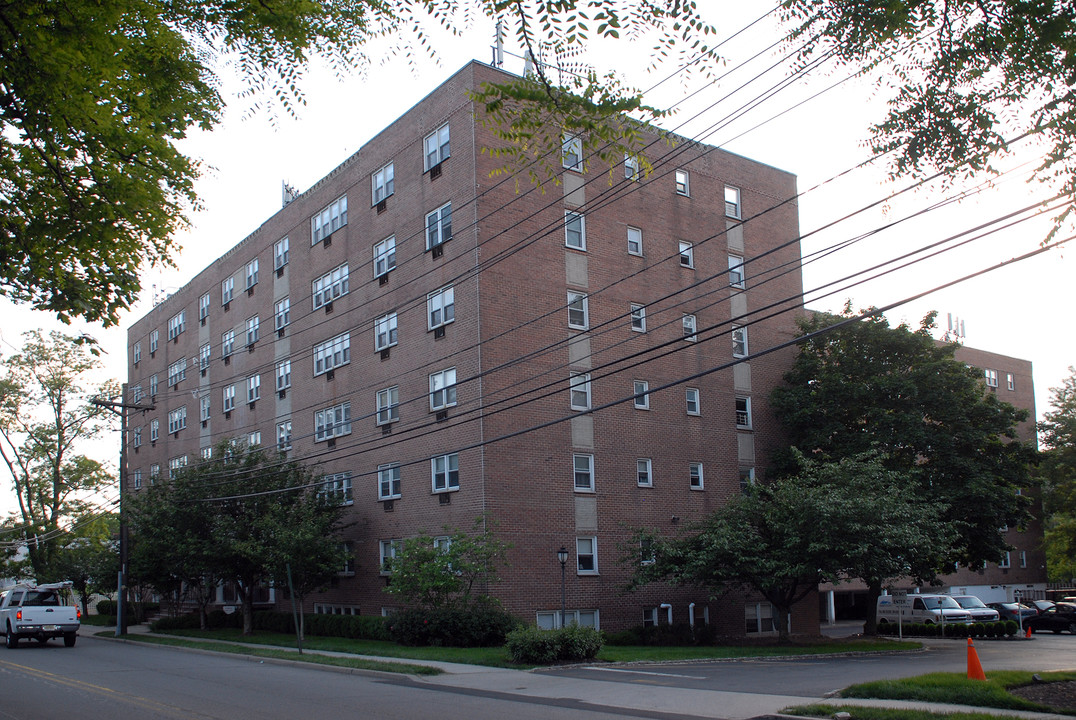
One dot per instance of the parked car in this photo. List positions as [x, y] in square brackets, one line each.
[1041, 605]
[1062, 616]
[922, 609]
[1017, 612]
[977, 608]
[39, 612]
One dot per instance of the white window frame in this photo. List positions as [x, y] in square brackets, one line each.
[332, 422]
[387, 550]
[204, 354]
[205, 408]
[687, 254]
[732, 202]
[282, 312]
[382, 184]
[743, 412]
[696, 480]
[631, 167]
[228, 395]
[252, 273]
[227, 343]
[254, 438]
[177, 372]
[442, 468]
[747, 478]
[442, 389]
[991, 377]
[331, 354]
[332, 285]
[692, 396]
[254, 388]
[578, 307]
[136, 352]
[737, 277]
[575, 230]
[1023, 558]
[136, 479]
[176, 324]
[638, 318]
[436, 147]
[579, 391]
[583, 472]
[153, 385]
[136, 438]
[439, 226]
[635, 244]
[203, 307]
[739, 341]
[177, 419]
[388, 405]
[644, 472]
[388, 481]
[586, 547]
[283, 375]
[1010, 381]
[328, 220]
[281, 250]
[385, 256]
[154, 340]
[154, 472]
[1006, 560]
[571, 152]
[386, 332]
[691, 325]
[441, 304]
[642, 394]
[254, 324]
[175, 465]
[207, 452]
[154, 430]
[136, 394]
[227, 290]
[338, 487]
[683, 182]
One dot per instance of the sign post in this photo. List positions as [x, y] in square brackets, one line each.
[900, 601]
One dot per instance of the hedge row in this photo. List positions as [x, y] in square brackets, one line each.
[482, 626]
[679, 634]
[1003, 628]
[355, 627]
[533, 646]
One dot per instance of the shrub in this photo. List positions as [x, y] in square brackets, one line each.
[1011, 626]
[476, 626]
[533, 646]
[680, 634]
[108, 607]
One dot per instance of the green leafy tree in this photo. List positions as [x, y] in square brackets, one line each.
[868, 387]
[830, 522]
[90, 556]
[45, 414]
[454, 569]
[1057, 470]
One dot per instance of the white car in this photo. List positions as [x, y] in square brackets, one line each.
[978, 609]
[922, 609]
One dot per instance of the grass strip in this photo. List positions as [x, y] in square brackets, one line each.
[957, 689]
[645, 653]
[860, 712]
[348, 662]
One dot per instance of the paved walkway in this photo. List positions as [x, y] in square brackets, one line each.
[638, 696]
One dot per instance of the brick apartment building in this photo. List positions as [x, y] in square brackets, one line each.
[571, 364]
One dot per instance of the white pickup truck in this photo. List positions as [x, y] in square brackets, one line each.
[38, 612]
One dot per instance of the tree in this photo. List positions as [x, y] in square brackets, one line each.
[451, 570]
[972, 78]
[867, 387]
[45, 413]
[95, 96]
[830, 522]
[89, 557]
[1057, 471]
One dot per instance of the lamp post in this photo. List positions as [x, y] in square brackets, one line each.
[562, 557]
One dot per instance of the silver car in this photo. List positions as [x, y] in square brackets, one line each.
[978, 609]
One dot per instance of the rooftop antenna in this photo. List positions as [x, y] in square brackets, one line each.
[956, 331]
[528, 63]
[287, 193]
[498, 46]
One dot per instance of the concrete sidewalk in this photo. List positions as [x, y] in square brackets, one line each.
[643, 695]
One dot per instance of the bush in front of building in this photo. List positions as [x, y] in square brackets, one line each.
[677, 635]
[108, 607]
[479, 625]
[354, 627]
[534, 646]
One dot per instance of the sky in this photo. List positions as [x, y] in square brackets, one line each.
[815, 129]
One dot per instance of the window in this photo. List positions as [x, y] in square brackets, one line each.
[683, 184]
[695, 476]
[136, 479]
[689, 328]
[389, 548]
[385, 331]
[252, 273]
[177, 371]
[571, 153]
[254, 439]
[1006, 560]
[332, 422]
[642, 396]
[583, 466]
[436, 147]
[154, 430]
[441, 307]
[1023, 558]
[646, 551]
[577, 311]
[227, 343]
[443, 389]
[136, 394]
[229, 398]
[280, 253]
[176, 324]
[693, 406]
[687, 255]
[760, 618]
[337, 487]
[154, 340]
[579, 388]
[177, 419]
[203, 307]
[330, 286]
[747, 478]
[384, 256]
[739, 341]
[227, 291]
[991, 377]
[732, 202]
[382, 184]
[439, 226]
[551, 619]
[635, 241]
[253, 323]
[631, 167]
[137, 438]
[329, 220]
[204, 411]
[136, 353]
[332, 354]
[586, 555]
[175, 465]
[204, 354]
[153, 385]
[207, 452]
[254, 388]
[575, 230]
[638, 318]
[1010, 381]
[736, 273]
[347, 549]
[283, 375]
[282, 313]
[446, 472]
[743, 413]
[644, 472]
[388, 481]
[154, 472]
[388, 405]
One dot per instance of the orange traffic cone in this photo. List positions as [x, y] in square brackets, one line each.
[975, 668]
[1028, 634]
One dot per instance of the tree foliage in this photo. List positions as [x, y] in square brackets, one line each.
[867, 387]
[1057, 471]
[90, 557]
[830, 522]
[45, 415]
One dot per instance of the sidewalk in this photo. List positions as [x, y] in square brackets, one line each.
[644, 695]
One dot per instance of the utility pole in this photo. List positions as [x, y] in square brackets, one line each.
[120, 408]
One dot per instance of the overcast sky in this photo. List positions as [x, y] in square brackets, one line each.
[1020, 310]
